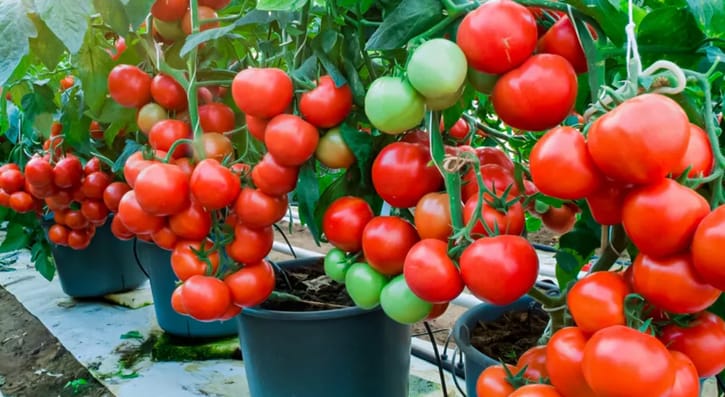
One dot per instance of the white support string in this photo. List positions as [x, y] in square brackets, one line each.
[634, 62]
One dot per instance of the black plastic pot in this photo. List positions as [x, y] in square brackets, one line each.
[157, 264]
[342, 352]
[107, 266]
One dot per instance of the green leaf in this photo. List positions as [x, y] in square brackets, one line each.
[533, 224]
[46, 45]
[609, 18]
[16, 238]
[42, 258]
[361, 145]
[75, 125]
[114, 14]
[136, 11]
[352, 5]
[15, 29]
[670, 27]
[568, 266]
[280, 5]
[710, 16]
[130, 148]
[408, 19]
[132, 335]
[68, 19]
[254, 17]
[356, 84]
[34, 105]
[94, 65]
[329, 66]
[308, 195]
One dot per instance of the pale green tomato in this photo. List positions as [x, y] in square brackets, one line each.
[336, 265]
[443, 102]
[437, 69]
[150, 114]
[393, 106]
[482, 82]
[401, 304]
[364, 285]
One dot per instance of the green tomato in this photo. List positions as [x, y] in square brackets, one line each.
[364, 285]
[437, 69]
[444, 102]
[336, 265]
[170, 31]
[401, 304]
[482, 82]
[393, 106]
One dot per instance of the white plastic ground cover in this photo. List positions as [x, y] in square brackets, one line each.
[92, 331]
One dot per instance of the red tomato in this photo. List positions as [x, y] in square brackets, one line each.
[250, 245]
[702, 341]
[432, 216]
[165, 238]
[168, 93]
[537, 95]
[402, 174]
[5, 199]
[204, 13]
[326, 105]
[169, 10]
[119, 230]
[216, 146]
[252, 284]
[534, 360]
[273, 178]
[256, 126]
[95, 211]
[290, 140]
[493, 382]
[698, 156]
[507, 28]
[135, 218]
[535, 390]
[119, 48]
[164, 133]
[95, 184]
[206, 298]
[12, 181]
[216, 117]
[661, 218]
[21, 202]
[92, 165]
[511, 221]
[344, 221]
[129, 86]
[134, 165]
[459, 131]
[559, 220]
[706, 246]
[257, 210]
[162, 189]
[113, 193]
[494, 155]
[213, 185]
[185, 164]
[79, 239]
[193, 223]
[58, 234]
[564, 354]
[561, 39]
[67, 172]
[186, 263]
[687, 381]
[686, 292]
[549, 162]
[176, 303]
[386, 241]
[75, 219]
[496, 179]
[430, 273]
[655, 144]
[511, 258]
[613, 358]
[605, 291]
[262, 93]
[606, 203]
[66, 82]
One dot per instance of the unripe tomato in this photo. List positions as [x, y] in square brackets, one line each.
[364, 284]
[437, 69]
[129, 86]
[150, 114]
[262, 93]
[393, 106]
[326, 105]
[333, 152]
[401, 304]
[168, 32]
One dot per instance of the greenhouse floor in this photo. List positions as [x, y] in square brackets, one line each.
[92, 332]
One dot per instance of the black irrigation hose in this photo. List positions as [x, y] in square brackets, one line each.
[437, 357]
[284, 236]
[543, 247]
[138, 261]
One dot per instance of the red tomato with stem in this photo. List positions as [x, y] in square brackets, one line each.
[273, 178]
[430, 273]
[193, 223]
[186, 263]
[561, 39]
[252, 284]
[564, 355]
[129, 86]
[326, 105]
[493, 381]
[432, 216]
[164, 133]
[386, 241]
[213, 185]
[216, 117]
[344, 221]
[162, 189]
[510, 221]
[206, 298]
[290, 140]
[698, 157]
[250, 245]
[402, 174]
[702, 341]
[168, 93]
[497, 180]
[534, 360]
[604, 290]
[262, 93]
[707, 242]
[537, 95]
[257, 210]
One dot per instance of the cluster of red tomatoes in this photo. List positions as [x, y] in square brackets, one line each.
[172, 18]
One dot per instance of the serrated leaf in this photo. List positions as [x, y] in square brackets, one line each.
[46, 45]
[114, 14]
[280, 5]
[15, 238]
[94, 65]
[308, 195]
[15, 29]
[408, 19]
[68, 19]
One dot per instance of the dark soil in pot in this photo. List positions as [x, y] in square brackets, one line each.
[510, 335]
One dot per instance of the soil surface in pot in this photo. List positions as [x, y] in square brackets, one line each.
[510, 335]
[32, 361]
[304, 289]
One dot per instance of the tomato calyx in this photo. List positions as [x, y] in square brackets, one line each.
[517, 379]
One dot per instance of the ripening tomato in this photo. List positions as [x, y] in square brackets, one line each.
[497, 180]
[167, 32]
[272, 178]
[216, 117]
[604, 290]
[655, 144]
[162, 189]
[119, 230]
[252, 284]
[537, 95]
[510, 221]
[186, 263]
[507, 28]
[561, 39]
[333, 152]
[548, 162]
[614, 357]
[702, 341]
[129, 86]
[58, 234]
[203, 13]
[606, 203]
[206, 298]
[564, 355]
[686, 291]
[430, 273]
[437, 68]
[213, 185]
[165, 132]
[661, 218]
[560, 220]
[536, 390]
[113, 193]
[169, 10]
[687, 381]
[698, 157]
[262, 93]
[12, 181]
[216, 146]
[534, 360]
[256, 126]
[66, 82]
[511, 258]
[493, 381]
[402, 174]
[432, 216]
[193, 223]
[707, 242]
[386, 241]
[150, 114]
[290, 140]
[250, 245]
[326, 105]
[344, 221]
[257, 210]
[393, 106]
[135, 218]
[168, 93]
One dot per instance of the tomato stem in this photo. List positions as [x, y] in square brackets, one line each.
[103, 158]
[191, 93]
[213, 82]
[172, 149]
[613, 249]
